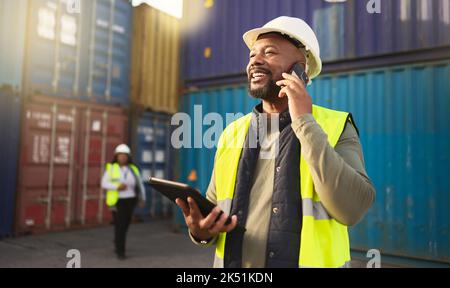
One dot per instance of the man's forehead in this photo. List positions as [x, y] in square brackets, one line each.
[269, 39]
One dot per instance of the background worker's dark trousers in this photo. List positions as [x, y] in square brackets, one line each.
[122, 219]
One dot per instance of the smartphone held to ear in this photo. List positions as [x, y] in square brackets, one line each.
[298, 71]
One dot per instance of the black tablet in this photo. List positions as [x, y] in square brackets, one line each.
[174, 190]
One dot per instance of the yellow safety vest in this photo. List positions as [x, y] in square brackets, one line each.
[324, 241]
[112, 196]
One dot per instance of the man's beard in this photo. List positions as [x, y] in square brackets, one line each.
[269, 92]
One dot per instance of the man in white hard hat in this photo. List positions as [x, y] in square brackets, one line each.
[296, 205]
[124, 189]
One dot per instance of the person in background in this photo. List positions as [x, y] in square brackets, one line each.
[125, 189]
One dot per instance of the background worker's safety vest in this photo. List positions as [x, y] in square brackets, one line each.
[113, 170]
[324, 241]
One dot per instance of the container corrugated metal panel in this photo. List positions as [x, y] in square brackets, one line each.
[197, 163]
[10, 108]
[101, 129]
[155, 59]
[405, 131]
[329, 26]
[402, 115]
[12, 42]
[109, 61]
[65, 145]
[212, 34]
[83, 55]
[154, 157]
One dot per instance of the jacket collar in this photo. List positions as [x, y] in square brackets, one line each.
[284, 117]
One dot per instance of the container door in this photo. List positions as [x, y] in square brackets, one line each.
[154, 156]
[47, 167]
[102, 129]
[54, 51]
[109, 58]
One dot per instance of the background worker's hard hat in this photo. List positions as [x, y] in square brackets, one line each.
[122, 148]
[297, 29]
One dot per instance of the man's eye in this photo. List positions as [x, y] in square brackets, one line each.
[252, 55]
[270, 52]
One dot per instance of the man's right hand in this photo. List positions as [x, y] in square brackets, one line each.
[204, 228]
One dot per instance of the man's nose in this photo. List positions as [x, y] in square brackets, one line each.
[257, 59]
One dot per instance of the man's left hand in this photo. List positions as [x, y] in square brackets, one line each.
[299, 101]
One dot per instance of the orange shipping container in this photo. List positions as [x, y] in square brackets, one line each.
[155, 60]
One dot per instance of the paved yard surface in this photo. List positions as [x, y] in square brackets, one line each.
[150, 244]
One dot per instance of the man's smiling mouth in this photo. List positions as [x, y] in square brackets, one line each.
[258, 75]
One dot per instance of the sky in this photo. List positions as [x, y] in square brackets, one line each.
[171, 7]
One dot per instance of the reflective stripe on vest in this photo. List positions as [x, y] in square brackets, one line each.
[324, 241]
[112, 196]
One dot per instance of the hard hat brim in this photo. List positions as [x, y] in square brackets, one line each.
[251, 36]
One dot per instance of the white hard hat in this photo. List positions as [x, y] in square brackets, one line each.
[297, 29]
[122, 148]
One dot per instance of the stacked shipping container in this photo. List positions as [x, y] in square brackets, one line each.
[11, 62]
[10, 106]
[12, 44]
[79, 54]
[212, 31]
[154, 96]
[70, 62]
[405, 133]
[154, 155]
[155, 60]
[400, 110]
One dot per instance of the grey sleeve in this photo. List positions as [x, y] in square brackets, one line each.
[142, 188]
[339, 176]
[106, 182]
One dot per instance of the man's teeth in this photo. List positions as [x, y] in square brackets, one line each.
[258, 75]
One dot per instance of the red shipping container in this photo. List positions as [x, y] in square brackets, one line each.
[65, 145]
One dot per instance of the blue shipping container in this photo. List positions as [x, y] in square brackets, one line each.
[154, 157]
[79, 51]
[12, 42]
[212, 35]
[110, 48]
[9, 154]
[402, 115]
